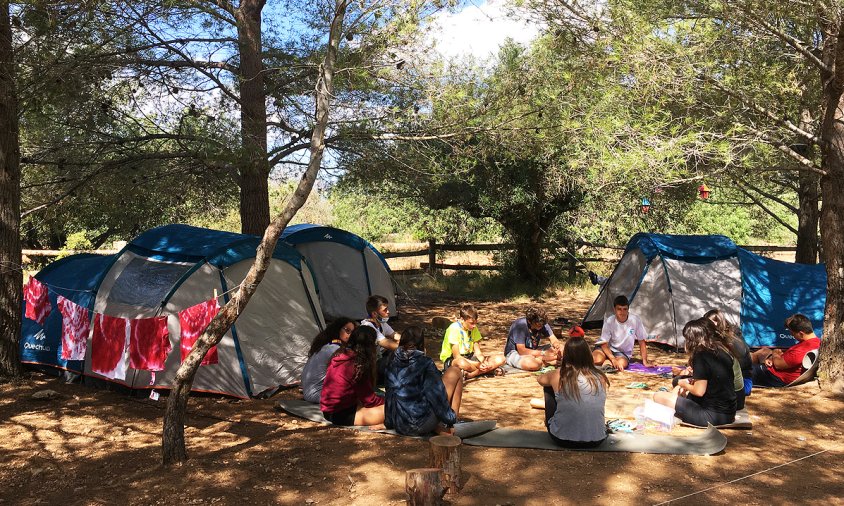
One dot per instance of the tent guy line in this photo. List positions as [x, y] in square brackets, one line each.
[743, 477]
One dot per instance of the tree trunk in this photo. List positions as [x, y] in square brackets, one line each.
[808, 194]
[807, 218]
[10, 246]
[831, 370]
[528, 238]
[173, 437]
[254, 168]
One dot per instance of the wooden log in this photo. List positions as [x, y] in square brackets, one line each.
[445, 455]
[424, 486]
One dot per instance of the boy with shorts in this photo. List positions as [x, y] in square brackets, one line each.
[461, 348]
[523, 350]
[621, 330]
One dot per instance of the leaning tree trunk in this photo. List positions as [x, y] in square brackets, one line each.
[11, 277]
[831, 371]
[254, 168]
[173, 438]
[808, 194]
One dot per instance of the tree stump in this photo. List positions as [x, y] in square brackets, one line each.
[424, 486]
[445, 455]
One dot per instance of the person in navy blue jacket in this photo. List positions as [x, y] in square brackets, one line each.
[420, 400]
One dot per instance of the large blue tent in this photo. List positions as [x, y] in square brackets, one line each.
[170, 268]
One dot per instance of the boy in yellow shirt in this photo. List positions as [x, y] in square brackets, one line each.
[461, 346]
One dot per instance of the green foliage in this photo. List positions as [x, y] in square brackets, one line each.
[75, 241]
[382, 217]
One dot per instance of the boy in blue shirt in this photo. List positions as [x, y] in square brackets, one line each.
[523, 350]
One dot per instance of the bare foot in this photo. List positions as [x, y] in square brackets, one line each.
[378, 426]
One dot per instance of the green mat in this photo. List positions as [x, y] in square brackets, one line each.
[742, 421]
[708, 443]
[310, 411]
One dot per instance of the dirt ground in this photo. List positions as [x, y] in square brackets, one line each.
[89, 446]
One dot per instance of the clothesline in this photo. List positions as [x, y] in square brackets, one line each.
[62, 288]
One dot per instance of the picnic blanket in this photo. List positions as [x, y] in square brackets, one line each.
[708, 443]
[309, 411]
[641, 369]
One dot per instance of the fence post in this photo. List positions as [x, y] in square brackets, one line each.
[432, 257]
[572, 268]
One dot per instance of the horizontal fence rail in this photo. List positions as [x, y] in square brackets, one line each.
[432, 266]
[573, 267]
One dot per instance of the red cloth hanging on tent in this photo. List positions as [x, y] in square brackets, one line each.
[149, 343]
[109, 346]
[37, 301]
[193, 321]
[76, 325]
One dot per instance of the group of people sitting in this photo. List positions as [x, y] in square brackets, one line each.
[348, 359]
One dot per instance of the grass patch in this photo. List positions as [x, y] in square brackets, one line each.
[480, 285]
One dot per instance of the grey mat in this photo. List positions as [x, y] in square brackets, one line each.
[708, 443]
[309, 411]
[742, 421]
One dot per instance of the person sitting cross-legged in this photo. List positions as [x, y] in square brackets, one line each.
[621, 330]
[420, 399]
[347, 396]
[461, 346]
[523, 350]
[575, 396]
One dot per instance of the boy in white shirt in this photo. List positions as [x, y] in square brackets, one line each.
[620, 332]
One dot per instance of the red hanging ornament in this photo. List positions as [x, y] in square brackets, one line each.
[703, 191]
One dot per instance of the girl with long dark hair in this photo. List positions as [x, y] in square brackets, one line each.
[708, 395]
[742, 362]
[347, 395]
[575, 396]
[322, 348]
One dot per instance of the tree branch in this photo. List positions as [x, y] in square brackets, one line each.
[765, 208]
[800, 46]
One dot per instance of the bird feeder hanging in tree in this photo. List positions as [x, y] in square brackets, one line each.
[646, 206]
[703, 191]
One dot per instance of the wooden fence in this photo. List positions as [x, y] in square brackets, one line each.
[574, 262]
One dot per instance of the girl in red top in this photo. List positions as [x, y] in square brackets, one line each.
[347, 395]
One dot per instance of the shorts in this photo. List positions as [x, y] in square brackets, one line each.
[345, 417]
[514, 359]
[449, 360]
[765, 378]
[691, 412]
[614, 353]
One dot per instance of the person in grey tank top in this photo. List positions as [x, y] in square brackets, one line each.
[322, 348]
[575, 396]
